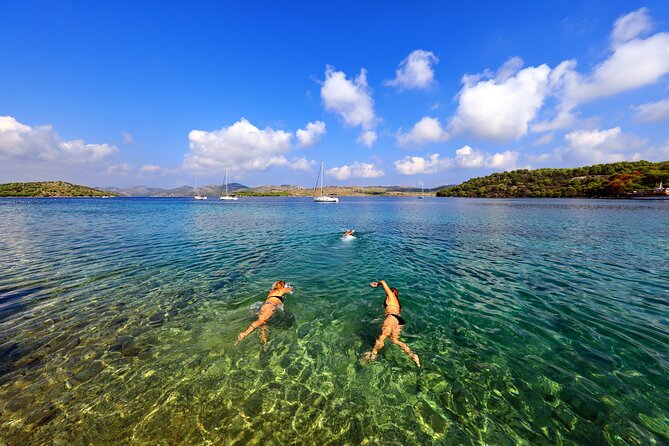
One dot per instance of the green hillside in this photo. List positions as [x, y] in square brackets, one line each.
[49, 189]
[601, 180]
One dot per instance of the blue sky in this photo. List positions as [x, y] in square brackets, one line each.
[159, 93]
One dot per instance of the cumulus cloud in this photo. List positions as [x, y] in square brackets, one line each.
[356, 170]
[468, 157]
[501, 109]
[302, 164]
[503, 160]
[351, 100]
[240, 146]
[150, 168]
[465, 157]
[414, 165]
[425, 131]
[311, 134]
[632, 65]
[600, 146]
[42, 143]
[415, 72]
[653, 111]
[630, 26]
[367, 138]
[120, 169]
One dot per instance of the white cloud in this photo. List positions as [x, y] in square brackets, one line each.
[501, 109]
[42, 143]
[653, 111]
[630, 26]
[465, 157]
[415, 72]
[589, 139]
[120, 169]
[127, 138]
[600, 146]
[414, 165]
[151, 168]
[632, 65]
[468, 157]
[545, 139]
[425, 131]
[509, 68]
[367, 138]
[302, 164]
[504, 160]
[356, 170]
[352, 100]
[241, 146]
[311, 134]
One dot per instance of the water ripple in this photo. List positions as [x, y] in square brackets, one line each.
[537, 322]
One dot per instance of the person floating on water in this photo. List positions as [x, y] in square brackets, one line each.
[392, 325]
[274, 299]
[348, 233]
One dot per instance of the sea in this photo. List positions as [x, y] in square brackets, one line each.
[537, 322]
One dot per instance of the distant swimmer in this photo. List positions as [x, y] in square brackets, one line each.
[348, 233]
[274, 299]
[392, 325]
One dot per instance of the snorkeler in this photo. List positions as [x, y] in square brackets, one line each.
[274, 299]
[392, 325]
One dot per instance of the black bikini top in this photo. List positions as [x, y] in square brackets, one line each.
[398, 304]
[281, 298]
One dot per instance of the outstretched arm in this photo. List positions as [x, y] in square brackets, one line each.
[385, 286]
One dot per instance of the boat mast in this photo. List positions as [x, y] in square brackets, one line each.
[317, 179]
[322, 178]
[225, 180]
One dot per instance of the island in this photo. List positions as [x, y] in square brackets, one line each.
[639, 179]
[285, 190]
[50, 189]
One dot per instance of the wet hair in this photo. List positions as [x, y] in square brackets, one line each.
[394, 290]
[279, 284]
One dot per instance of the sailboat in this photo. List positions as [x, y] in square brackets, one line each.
[323, 198]
[227, 197]
[422, 192]
[197, 194]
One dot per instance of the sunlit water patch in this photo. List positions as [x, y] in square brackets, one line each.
[537, 322]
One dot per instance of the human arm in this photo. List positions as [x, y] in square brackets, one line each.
[385, 286]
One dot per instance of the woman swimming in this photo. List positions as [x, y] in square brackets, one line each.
[274, 299]
[392, 325]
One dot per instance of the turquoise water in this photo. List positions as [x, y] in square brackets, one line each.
[537, 322]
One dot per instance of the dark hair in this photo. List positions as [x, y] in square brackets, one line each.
[394, 290]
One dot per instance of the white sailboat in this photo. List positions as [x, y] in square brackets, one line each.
[227, 197]
[197, 194]
[323, 198]
[422, 192]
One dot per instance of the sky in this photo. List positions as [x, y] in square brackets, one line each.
[382, 92]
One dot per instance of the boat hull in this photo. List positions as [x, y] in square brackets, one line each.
[200, 197]
[325, 199]
[229, 198]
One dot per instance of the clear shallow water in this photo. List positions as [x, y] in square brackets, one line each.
[537, 322]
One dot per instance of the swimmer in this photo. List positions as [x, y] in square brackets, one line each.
[392, 325]
[274, 299]
[348, 233]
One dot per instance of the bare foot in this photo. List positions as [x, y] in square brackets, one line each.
[367, 358]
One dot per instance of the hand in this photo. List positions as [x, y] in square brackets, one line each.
[374, 284]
